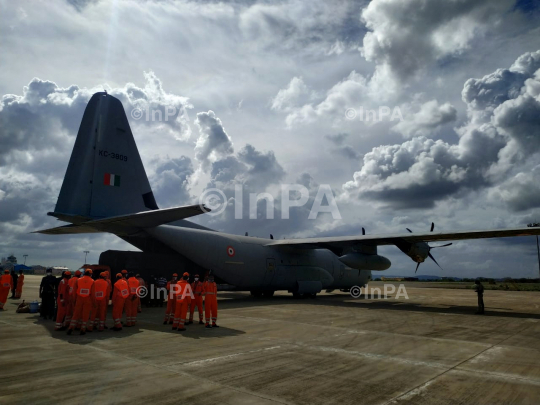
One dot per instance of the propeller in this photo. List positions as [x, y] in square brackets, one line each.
[429, 249]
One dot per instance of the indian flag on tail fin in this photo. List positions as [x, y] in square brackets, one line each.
[111, 180]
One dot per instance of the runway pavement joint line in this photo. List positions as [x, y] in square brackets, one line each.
[227, 357]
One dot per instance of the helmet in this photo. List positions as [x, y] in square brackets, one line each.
[6, 271]
[67, 273]
[87, 272]
[196, 275]
[186, 274]
[78, 273]
[124, 271]
[118, 275]
[175, 275]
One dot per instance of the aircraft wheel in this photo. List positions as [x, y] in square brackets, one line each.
[256, 294]
[296, 295]
[268, 294]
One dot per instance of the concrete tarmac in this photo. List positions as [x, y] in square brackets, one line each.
[427, 349]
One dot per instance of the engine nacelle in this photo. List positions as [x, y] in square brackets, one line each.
[362, 261]
[418, 252]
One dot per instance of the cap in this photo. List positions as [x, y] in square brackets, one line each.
[196, 275]
[78, 273]
[124, 271]
[118, 275]
[6, 271]
[88, 271]
[67, 273]
[186, 274]
[175, 275]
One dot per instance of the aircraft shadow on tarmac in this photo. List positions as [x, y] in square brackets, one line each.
[244, 300]
[194, 331]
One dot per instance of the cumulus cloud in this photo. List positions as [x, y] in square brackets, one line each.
[420, 172]
[213, 141]
[296, 93]
[348, 93]
[170, 180]
[408, 35]
[425, 122]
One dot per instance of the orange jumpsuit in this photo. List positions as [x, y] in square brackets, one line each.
[101, 295]
[20, 283]
[169, 314]
[71, 298]
[131, 302]
[183, 299]
[6, 282]
[120, 293]
[197, 288]
[210, 302]
[84, 303]
[61, 303]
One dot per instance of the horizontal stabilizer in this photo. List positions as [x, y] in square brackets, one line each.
[123, 224]
[150, 219]
[68, 230]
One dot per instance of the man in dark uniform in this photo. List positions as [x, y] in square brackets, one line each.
[479, 289]
[47, 293]
[152, 285]
[14, 276]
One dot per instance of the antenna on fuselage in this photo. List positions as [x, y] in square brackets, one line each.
[271, 236]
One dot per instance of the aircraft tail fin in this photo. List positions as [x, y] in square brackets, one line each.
[105, 175]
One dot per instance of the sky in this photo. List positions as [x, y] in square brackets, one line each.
[272, 93]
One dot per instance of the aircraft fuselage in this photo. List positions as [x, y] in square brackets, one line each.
[248, 264]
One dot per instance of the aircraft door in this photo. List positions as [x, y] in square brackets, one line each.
[270, 271]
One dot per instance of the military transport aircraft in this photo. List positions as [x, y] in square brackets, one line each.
[105, 189]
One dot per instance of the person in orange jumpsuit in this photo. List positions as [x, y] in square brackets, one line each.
[62, 301]
[120, 294]
[84, 303]
[20, 283]
[101, 299]
[132, 300]
[71, 296]
[210, 302]
[169, 314]
[197, 288]
[183, 299]
[6, 282]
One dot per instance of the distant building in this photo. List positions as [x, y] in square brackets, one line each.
[12, 259]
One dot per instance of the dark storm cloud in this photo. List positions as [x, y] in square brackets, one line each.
[342, 149]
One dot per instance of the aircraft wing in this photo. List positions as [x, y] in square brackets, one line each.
[390, 239]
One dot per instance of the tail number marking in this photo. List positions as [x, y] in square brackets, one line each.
[112, 155]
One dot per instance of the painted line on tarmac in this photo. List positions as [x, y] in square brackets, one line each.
[227, 357]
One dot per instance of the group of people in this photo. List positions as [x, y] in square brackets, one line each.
[184, 296]
[10, 282]
[81, 301]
